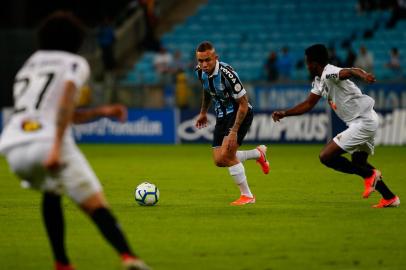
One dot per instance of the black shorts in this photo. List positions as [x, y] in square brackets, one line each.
[224, 124]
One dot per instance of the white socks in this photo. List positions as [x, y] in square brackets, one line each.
[237, 171]
[250, 154]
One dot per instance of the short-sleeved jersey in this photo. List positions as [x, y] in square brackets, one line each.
[38, 88]
[344, 97]
[224, 87]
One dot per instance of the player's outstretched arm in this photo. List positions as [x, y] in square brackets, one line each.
[117, 111]
[301, 108]
[347, 73]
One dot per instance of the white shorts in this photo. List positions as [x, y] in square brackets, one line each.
[360, 134]
[76, 178]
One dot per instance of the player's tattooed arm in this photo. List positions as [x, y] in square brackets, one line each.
[347, 73]
[241, 113]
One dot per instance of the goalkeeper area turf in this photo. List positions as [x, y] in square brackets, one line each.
[306, 216]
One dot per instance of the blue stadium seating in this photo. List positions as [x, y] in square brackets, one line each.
[244, 32]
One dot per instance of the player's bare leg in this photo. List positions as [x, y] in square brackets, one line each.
[97, 208]
[225, 156]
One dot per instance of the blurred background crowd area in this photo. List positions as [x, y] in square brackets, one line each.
[142, 52]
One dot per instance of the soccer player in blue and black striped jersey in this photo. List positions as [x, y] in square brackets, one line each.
[234, 116]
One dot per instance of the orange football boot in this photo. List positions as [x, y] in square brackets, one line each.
[262, 161]
[370, 183]
[61, 266]
[394, 202]
[243, 200]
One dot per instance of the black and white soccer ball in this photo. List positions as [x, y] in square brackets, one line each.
[146, 194]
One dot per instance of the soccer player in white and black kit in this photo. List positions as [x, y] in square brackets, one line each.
[356, 110]
[38, 141]
[234, 115]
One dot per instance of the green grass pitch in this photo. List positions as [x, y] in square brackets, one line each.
[306, 216]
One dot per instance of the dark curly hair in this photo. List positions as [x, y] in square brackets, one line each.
[62, 31]
[317, 53]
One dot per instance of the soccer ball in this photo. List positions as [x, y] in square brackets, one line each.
[146, 194]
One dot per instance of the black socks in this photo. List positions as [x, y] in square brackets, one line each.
[340, 163]
[384, 190]
[110, 229]
[55, 226]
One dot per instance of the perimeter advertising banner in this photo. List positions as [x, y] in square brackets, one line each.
[309, 128]
[391, 131]
[170, 126]
[142, 126]
[386, 96]
[313, 127]
[392, 127]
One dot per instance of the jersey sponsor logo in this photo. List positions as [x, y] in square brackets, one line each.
[228, 74]
[29, 125]
[332, 76]
[237, 87]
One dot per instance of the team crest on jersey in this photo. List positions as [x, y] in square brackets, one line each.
[237, 87]
[30, 125]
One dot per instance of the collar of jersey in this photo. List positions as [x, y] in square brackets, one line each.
[324, 70]
[216, 69]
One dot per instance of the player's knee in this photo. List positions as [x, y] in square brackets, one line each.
[220, 162]
[359, 159]
[93, 203]
[325, 159]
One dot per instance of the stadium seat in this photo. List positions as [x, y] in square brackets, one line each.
[245, 32]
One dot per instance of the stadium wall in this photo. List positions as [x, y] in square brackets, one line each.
[170, 126]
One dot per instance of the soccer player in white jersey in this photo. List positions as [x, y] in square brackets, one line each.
[38, 142]
[356, 110]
